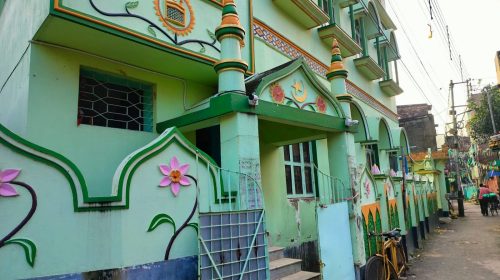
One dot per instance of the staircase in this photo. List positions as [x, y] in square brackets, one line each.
[287, 269]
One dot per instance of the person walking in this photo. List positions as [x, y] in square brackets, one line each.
[483, 201]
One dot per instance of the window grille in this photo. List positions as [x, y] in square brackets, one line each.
[112, 101]
[176, 13]
[300, 180]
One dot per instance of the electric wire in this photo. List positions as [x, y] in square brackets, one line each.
[415, 51]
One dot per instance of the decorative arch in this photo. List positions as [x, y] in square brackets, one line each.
[390, 43]
[400, 139]
[372, 24]
[296, 85]
[379, 132]
[363, 133]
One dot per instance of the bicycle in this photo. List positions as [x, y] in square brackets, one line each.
[390, 263]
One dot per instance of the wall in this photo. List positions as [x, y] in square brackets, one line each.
[96, 150]
[19, 21]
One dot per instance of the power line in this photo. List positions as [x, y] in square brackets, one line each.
[415, 51]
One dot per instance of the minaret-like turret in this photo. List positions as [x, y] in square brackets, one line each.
[230, 34]
[337, 74]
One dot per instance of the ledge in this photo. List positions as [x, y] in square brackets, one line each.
[369, 68]
[348, 47]
[305, 12]
[390, 87]
[347, 3]
[233, 102]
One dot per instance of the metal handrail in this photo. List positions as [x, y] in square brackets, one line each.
[331, 189]
[233, 191]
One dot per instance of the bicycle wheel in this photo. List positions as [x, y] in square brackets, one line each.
[374, 268]
[401, 265]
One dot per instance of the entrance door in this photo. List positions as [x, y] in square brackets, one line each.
[335, 242]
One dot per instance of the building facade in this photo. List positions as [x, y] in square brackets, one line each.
[419, 124]
[123, 152]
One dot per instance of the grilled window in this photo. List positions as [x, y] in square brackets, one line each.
[299, 174]
[175, 13]
[112, 101]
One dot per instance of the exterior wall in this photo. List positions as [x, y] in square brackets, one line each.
[419, 126]
[25, 17]
[53, 100]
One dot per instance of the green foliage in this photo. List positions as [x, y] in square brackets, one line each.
[28, 246]
[480, 126]
[161, 219]
[132, 5]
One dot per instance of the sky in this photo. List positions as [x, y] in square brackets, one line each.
[474, 28]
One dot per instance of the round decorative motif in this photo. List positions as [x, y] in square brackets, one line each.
[321, 104]
[173, 16]
[277, 93]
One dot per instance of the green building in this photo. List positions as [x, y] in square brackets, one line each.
[198, 138]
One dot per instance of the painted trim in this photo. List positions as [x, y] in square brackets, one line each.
[69, 170]
[288, 48]
[60, 11]
[123, 174]
[232, 102]
[293, 67]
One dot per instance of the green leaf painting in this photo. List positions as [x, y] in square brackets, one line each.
[151, 31]
[161, 219]
[132, 4]
[211, 34]
[28, 246]
[194, 226]
[202, 50]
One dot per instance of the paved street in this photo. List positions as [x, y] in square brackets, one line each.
[467, 248]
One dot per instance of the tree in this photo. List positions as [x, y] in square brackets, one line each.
[480, 126]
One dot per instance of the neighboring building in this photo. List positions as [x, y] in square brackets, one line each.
[139, 160]
[419, 125]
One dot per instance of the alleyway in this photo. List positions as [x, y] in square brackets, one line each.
[467, 248]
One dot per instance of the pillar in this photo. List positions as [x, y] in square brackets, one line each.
[342, 146]
[239, 132]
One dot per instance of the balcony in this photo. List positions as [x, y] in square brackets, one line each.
[305, 12]
[369, 68]
[347, 3]
[384, 16]
[390, 87]
[348, 47]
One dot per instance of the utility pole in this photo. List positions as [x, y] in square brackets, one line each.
[453, 112]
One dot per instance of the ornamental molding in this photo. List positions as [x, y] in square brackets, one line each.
[285, 46]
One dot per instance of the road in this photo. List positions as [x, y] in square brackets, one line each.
[467, 248]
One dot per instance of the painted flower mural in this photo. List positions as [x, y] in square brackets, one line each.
[367, 188]
[277, 93]
[7, 189]
[7, 176]
[175, 175]
[321, 104]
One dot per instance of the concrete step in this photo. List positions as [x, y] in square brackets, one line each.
[275, 253]
[303, 275]
[283, 267]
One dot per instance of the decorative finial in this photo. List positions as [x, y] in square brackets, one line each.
[336, 67]
[230, 25]
[231, 68]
